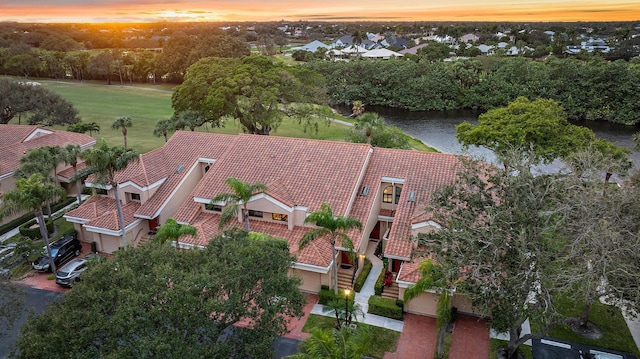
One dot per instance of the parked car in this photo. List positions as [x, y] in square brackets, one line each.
[70, 272]
[61, 250]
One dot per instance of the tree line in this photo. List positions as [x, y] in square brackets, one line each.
[588, 90]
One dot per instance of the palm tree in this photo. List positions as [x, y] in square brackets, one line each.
[357, 109]
[70, 155]
[242, 192]
[336, 344]
[330, 227]
[162, 128]
[368, 122]
[358, 37]
[122, 122]
[172, 231]
[103, 162]
[187, 118]
[41, 160]
[31, 194]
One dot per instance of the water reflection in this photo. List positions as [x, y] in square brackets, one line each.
[437, 129]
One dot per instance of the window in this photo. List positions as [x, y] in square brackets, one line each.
[253, 213]
[206, 169]
[135, 196]
[280, 217]
[101, 191]
[391, 194]
[212, 207]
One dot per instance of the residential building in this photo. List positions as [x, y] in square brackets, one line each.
[386, 189]
[17, 140]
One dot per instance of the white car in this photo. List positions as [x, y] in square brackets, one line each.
[70, 272]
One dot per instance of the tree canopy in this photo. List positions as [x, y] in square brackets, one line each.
[371, 128]
[39, 105]
[253, 90]
[230, 299]
[538, 129]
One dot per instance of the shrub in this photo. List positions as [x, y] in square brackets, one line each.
[34, 233]
[71, 232]
[380, 283]
[325, 296]
[362, 277]
[385, 307]
[63, 203]
[16, 223]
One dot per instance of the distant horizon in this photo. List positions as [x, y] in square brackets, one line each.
[148, 11]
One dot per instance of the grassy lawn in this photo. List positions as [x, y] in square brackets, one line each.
[608, 318]
[385, 340]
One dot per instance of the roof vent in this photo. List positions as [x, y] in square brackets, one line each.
[365, 191]
[179, 168]
[412, 196]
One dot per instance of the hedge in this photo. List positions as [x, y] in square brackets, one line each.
[380, 282]
[362, 277]
[34, 233]
[325, 296]
[385, 307]
[29, 216]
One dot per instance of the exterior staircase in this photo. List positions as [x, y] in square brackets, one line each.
[344, 278]
[391, 291]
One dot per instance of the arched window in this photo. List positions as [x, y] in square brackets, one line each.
[391, 194]
[387, 195]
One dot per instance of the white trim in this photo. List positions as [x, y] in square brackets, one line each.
[178, 186]
[385, 218]
[253, 198]
[76, 219]
[301, 208]
[405, 285]
[88, 144]
[98, 185]
[425, 224]
[393, 180]
[143, 188]
[356, 190]
[555, 344]
[7, 175]
[312, 268]
[110, 231]
[397, 257]
[208, 161]
[35, 133]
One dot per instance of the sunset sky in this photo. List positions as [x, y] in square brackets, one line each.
[328, 10]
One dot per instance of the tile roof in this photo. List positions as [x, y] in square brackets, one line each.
[101, 212]
[317, 253]
[14, 143]
[307, 172]
[422, 172]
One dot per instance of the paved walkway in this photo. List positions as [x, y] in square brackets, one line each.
[295, 326]
[470, 338]
[418, 339]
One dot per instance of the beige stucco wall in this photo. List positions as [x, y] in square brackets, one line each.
[311, 281]
[463, 304]
[191, 179]
[109, 244]
[425, 304]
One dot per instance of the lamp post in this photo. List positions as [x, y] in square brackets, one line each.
[346, 306]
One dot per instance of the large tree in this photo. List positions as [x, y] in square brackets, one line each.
[331, 228]
[42, 106]
[253, 90]
[538, 129]
[104, 162]
[240, 195]
[153, 301]
[31, 194]
[497, 245]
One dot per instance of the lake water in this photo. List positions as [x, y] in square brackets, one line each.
[437, 129]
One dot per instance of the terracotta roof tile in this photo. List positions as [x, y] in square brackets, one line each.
[13, 145]
[110, 221]
[101, 212]
[317, 253]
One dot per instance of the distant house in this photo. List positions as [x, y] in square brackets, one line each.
[486, 49]
[384, 54]
[413, 50]
[313, 46]
[469, 38]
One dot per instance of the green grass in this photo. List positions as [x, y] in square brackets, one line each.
[385, 340]
[494, 344]
[608, 318]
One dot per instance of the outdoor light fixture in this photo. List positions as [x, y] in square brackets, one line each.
[346, 306]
